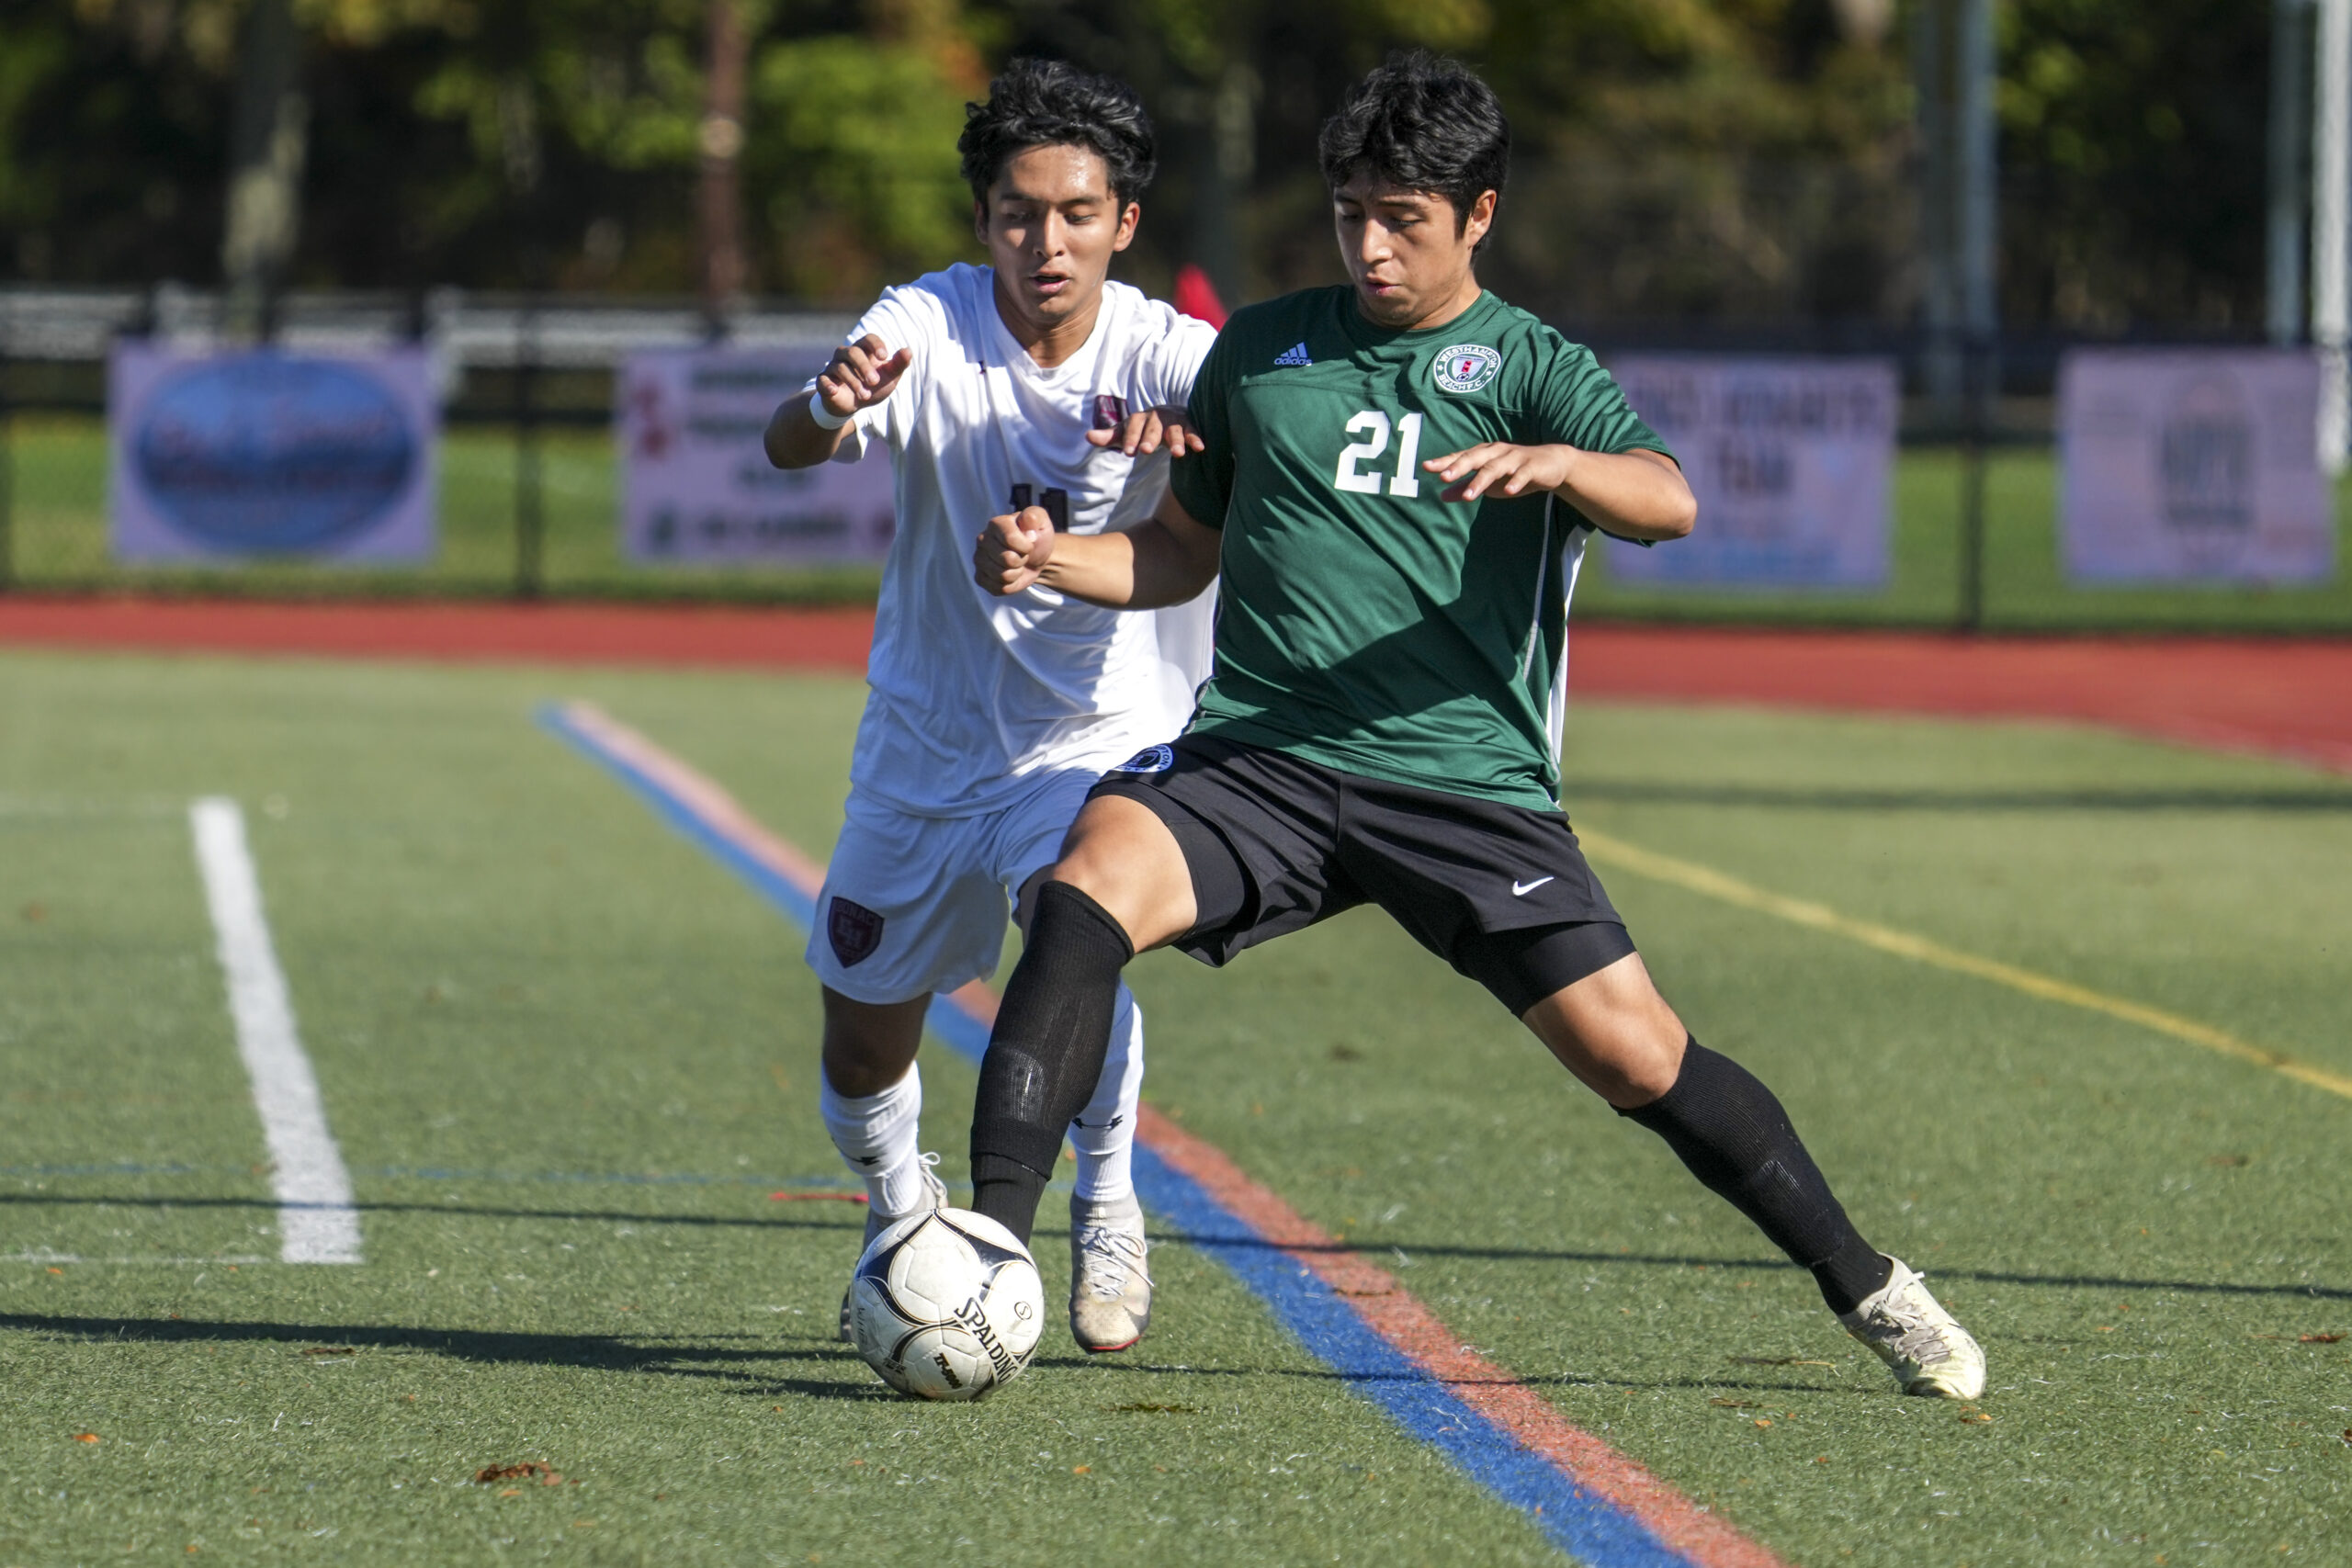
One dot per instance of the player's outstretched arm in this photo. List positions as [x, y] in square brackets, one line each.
[861, 374]
[1166, 561]
[1635, 495]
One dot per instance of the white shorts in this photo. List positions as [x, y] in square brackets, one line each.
[916, 904]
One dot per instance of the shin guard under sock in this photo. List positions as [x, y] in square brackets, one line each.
[1732, 1132]
[1045, 1054]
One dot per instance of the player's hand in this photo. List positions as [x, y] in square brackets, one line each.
[1498, 465]
[1142, 434]
[861, 374]
[1013, 551]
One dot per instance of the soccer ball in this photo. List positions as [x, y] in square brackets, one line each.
[947, 1306]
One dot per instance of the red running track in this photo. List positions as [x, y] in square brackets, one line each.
[2280, 698]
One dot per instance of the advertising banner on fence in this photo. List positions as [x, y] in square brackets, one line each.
[1790, 460]
[226, 456]
[2182, 465]
[697, 487]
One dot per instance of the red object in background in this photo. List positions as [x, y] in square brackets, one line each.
[1196, 296]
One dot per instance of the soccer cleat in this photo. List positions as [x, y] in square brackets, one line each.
[1925, 1348]
[1110, 1293]
[932, 1196]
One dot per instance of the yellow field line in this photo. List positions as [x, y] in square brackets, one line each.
[1611, 851]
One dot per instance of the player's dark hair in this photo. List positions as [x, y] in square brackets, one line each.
[1048, 102]
[1425, 123]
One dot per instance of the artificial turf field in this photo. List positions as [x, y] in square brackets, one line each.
[568, 1059]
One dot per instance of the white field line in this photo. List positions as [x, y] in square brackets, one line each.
[316, 1220]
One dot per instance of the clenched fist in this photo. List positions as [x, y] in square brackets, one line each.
[1013, 551]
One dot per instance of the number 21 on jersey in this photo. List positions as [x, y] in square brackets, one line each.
[1372, 426]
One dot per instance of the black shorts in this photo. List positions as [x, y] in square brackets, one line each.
[1275, 843]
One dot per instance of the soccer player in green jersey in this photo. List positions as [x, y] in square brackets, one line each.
[1397, 480]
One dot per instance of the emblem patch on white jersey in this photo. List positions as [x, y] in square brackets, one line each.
[1150, 759]
[1465, 368]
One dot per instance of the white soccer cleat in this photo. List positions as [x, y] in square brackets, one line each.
[1110, 1292]
[934, 1196]
[1923, 1346]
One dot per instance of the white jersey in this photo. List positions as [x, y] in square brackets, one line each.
[970, 694]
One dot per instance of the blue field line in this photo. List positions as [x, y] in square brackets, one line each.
[1580, 1523]
[1587, 1527]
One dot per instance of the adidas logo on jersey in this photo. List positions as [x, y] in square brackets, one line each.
[1294, 354]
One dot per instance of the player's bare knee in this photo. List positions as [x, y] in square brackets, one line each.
[868, 1047]
[1642, 1073]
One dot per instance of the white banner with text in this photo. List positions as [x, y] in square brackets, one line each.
[697, 488]
[2192, 465]
[1791, 460]
[220, 457]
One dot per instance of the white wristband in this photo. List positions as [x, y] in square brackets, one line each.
[826, 418]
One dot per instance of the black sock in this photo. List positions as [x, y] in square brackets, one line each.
[1046, 1052]
[1730, 1131]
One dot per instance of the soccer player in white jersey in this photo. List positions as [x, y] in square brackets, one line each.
[1030, 380]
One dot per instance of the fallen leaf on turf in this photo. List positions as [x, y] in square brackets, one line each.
[512, 1492]
[1974, 1415]
[1142, 1407]
[330, 1351]
[2321, 1339]
[36, 913]
[1081, 1468]
[527, 1471]
[1761, 1422]
[1777, 1361]
[2227, 1159]
[1821, 1459]
[1734, 1403]
[54, 1270]
[2347, 1434]
[85, 1436]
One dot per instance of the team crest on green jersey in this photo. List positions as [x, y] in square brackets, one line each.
[1467, 367]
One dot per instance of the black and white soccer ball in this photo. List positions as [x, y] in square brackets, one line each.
[947, 1306]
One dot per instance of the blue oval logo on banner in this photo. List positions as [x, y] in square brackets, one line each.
[264, 453]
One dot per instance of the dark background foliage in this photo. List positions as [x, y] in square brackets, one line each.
[1709, 162]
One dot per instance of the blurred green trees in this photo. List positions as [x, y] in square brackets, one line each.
[1729, 161]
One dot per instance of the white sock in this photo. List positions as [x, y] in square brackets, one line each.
[879, 1136]
[1104, 1134]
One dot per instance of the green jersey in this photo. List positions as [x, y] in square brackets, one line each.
[1364, 624]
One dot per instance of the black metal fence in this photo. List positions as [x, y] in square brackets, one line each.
[529, 503]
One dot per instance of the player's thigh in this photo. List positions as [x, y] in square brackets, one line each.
[1614, 1031]
[909, 908]
[1123, 857]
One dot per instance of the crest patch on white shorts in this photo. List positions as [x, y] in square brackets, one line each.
[1465, 368]
[1150, 759]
